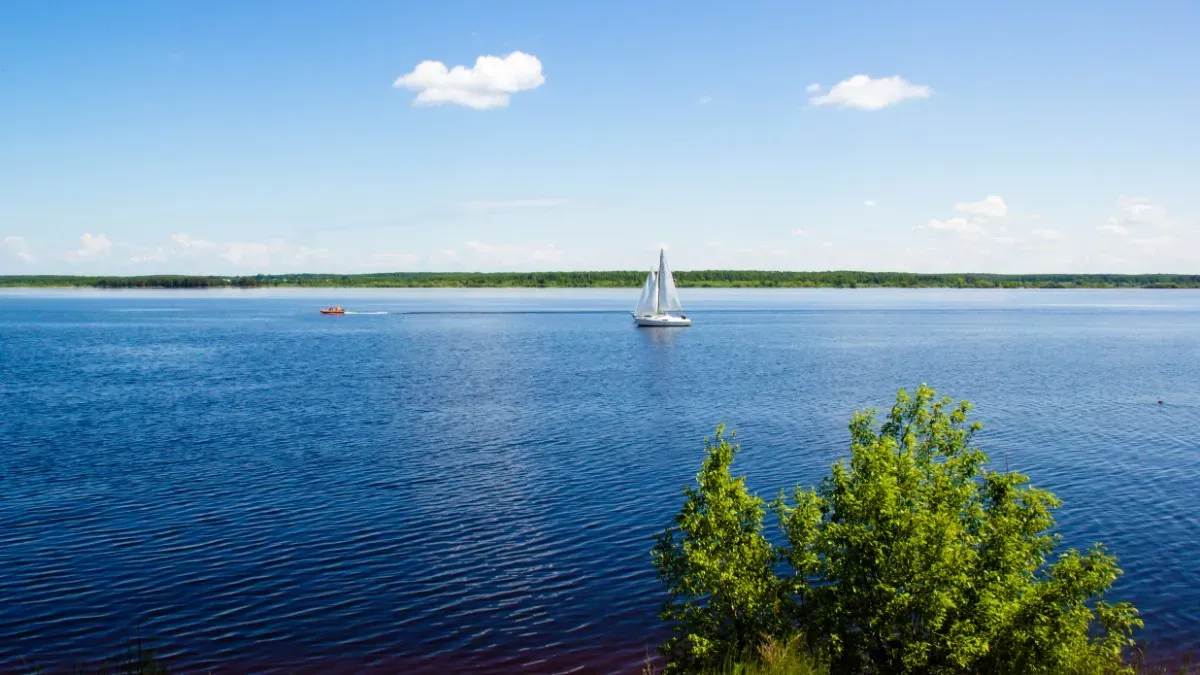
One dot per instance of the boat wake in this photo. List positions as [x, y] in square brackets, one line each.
[371, 313]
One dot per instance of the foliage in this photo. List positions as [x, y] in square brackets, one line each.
[619, 279]
[911, 557]
[771, 658]
[718, 568]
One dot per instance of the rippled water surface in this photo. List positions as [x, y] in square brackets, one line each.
[470, 482]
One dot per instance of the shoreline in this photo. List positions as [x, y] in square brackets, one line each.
[734, 279]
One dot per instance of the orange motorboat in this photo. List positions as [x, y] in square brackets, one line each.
[333, 310]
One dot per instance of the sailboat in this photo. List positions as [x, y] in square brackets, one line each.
[659, 302]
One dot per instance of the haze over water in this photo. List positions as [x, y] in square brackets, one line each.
[471, 480]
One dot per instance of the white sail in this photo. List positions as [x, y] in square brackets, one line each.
[668, 297]
[659, 299]
[637, 309]
[648, 302]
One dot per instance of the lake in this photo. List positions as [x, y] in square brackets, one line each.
[470, 481]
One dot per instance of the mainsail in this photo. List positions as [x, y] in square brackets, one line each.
[648, 302]
[667, 296]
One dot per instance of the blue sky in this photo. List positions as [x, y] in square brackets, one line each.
[245, 137]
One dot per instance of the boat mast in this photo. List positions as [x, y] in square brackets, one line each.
[663, 303]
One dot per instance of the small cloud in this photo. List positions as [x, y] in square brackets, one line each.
[1115, 229]
[864, 93]
[1043, 233]
[715, 244]
[781, 251]
[175, 56]
[92, 246]
[489, 84]
[869, 203]
[960, 225]
[1004, 240]
[18, 247]
[992, 206]
[515, 204]
[827, 244]
[704, 100]
[185, 242]
[812, 88]
[799, 232]
[1138, 213]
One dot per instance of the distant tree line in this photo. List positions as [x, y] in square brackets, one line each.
[620, 279]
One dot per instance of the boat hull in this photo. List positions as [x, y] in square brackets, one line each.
[663, 321]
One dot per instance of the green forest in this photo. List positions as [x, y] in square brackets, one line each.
[618, 279]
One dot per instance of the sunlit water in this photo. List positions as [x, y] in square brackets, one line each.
[458, 481]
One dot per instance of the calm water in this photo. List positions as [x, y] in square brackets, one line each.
[474, 484]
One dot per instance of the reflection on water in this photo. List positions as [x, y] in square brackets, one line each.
[660, 337]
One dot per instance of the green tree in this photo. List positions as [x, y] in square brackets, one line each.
[724, 596]
[914, 557]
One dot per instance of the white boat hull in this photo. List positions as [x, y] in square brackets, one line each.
[663, 321]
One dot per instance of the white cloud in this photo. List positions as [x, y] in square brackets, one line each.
[827, 244]
[515, 204]
[813, 88]
[92, 246]
[978, 221]
[869, 202]
[489, 84]
[799, 232]
[864, 93]
[960, 225]
[992, 206]
[514, 254]
[185, 242]
[704, 100]
[252, 254]
[18, 247]
[1044, 233]
[1139, 217]
[1004, 240]
[1138, 212]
